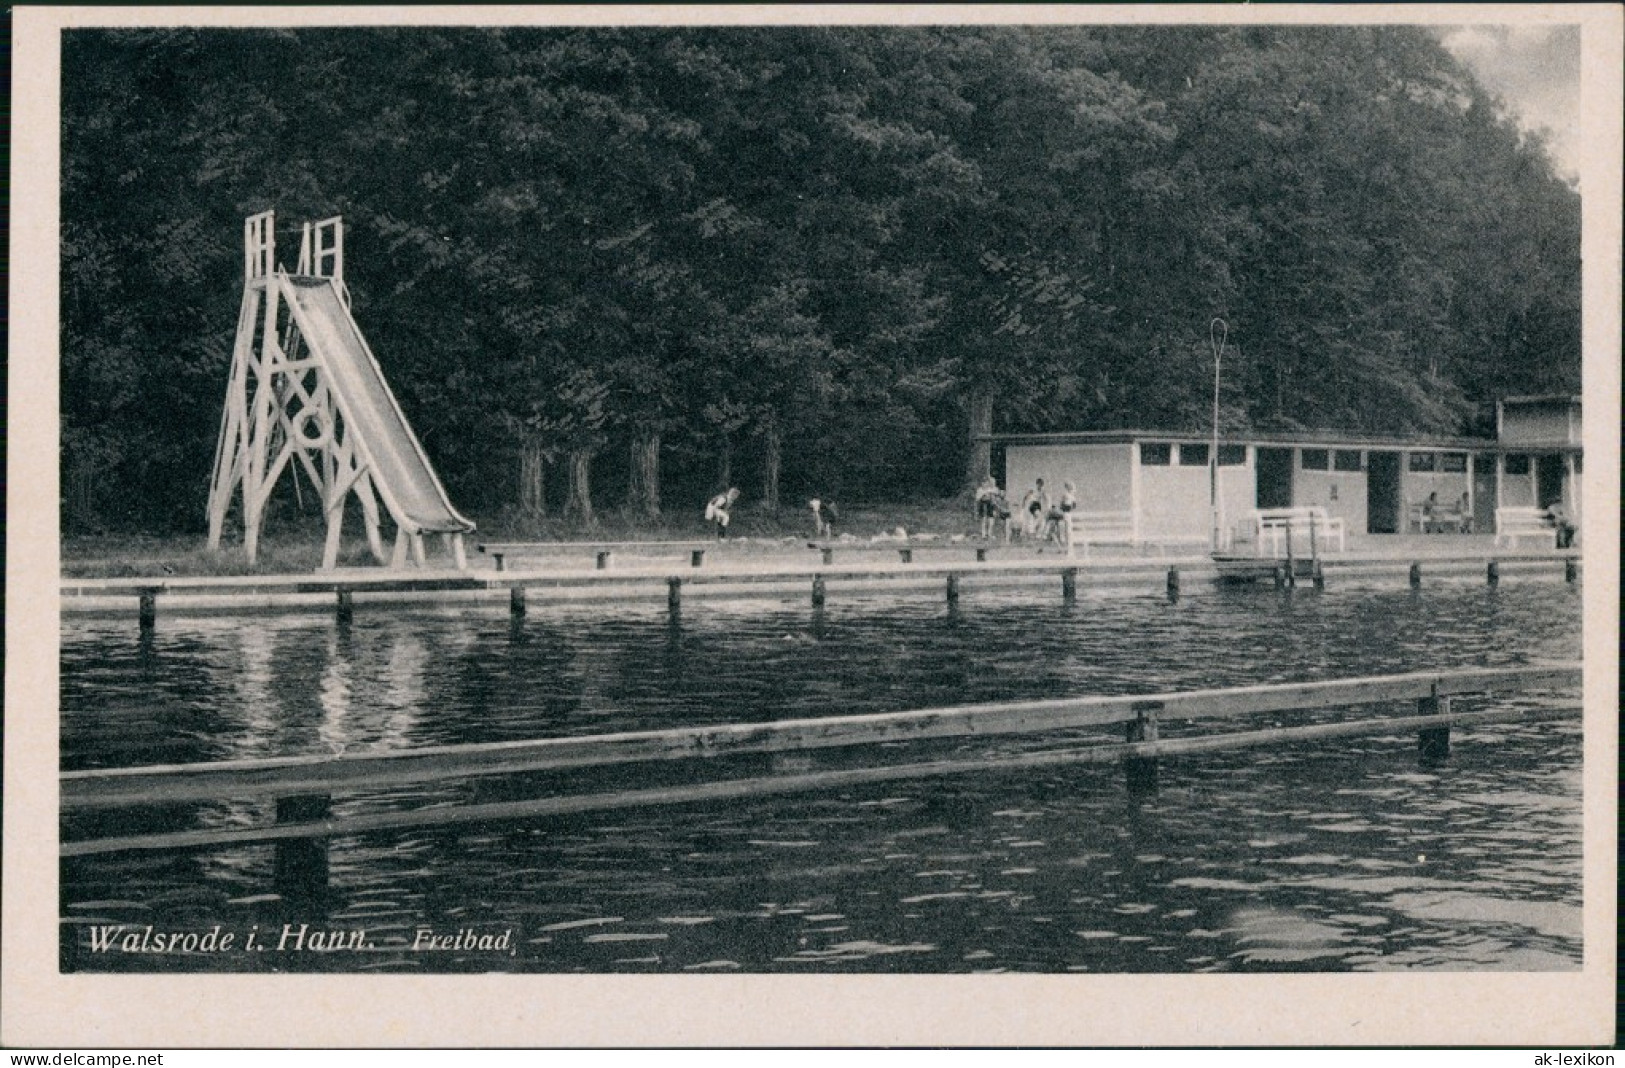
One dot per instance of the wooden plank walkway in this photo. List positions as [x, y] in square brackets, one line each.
[321, 777]
[412, 580]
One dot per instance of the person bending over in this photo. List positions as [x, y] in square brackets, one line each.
[717, 509]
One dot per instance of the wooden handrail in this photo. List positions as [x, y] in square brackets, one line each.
[293, 776]
[544, 807]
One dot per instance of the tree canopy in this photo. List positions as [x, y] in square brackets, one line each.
[818, 260]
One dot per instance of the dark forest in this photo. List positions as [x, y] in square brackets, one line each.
[617, 269]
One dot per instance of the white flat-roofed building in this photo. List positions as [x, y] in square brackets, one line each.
[1375, 485]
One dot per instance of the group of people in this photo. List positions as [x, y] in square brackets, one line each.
[719, 510]
[1435, 520]
[1038, 516]
[1041, 517]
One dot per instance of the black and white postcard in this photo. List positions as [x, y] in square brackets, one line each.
[845, 526]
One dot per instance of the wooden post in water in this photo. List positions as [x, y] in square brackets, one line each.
[674, 594]
[1280, 577]
[1140, 773]
[502, 564]
[981, 554]
[905, 555]
[516, 601]
[818, 591]
[1571, 571]
[1317, 577]
[299, 870]
[1069, 584]
[148, 613]
[1173, 584]
[1433, 743]
[1416, 576]
[828, 554]
[696, 558]
[603, 559]
[953, 588]
[1492, 573]
[346, 606]
[1291, 565]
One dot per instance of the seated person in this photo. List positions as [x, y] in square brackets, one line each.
[1558, 516]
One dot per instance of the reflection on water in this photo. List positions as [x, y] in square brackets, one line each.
[1343, 855]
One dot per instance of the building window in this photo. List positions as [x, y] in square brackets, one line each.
[1346, 460]
[1232, 455]
[1453, 462]
[1316, 459]
[1193, 456]
[1155, 454]
[1423, 461]
[1517, 465]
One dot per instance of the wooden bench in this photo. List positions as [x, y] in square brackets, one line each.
[905, 549]
[603, 552]
[1451, 518]
[1454, 519]
[1514, 523]
[1099, 528]
[1272, 526]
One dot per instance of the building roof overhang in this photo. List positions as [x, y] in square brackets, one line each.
[1544, 398]
[1312, 439]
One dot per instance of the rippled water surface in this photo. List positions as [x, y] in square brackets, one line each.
[1344, 855]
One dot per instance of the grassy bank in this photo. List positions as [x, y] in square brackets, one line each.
[292, 544]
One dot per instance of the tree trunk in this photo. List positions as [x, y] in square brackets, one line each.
[772, 460]
[981, 424]
[81, 507]
[725, 463]
[532, 480]
[643, 486]
[578, 501]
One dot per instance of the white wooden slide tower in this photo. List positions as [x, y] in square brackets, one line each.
[306, 390]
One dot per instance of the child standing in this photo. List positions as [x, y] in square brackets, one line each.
[987, 510]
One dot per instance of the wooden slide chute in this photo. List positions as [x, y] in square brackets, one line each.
[306, 389]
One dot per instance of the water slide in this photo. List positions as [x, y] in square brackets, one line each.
[396, 461]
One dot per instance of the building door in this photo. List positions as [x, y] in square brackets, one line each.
[1484, 502]
[1548, 480]
[1382, 492]
[1274, 478]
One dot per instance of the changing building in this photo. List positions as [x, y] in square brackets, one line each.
[1376, 485]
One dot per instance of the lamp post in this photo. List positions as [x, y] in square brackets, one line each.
[1217, 331]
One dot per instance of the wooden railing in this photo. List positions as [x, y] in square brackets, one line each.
[303, 786]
